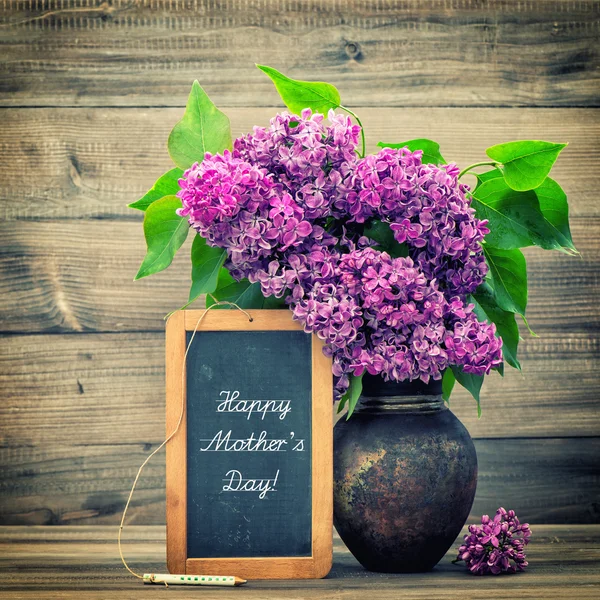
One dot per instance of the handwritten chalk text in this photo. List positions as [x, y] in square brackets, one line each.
[225, 443]
[231, 404]
[237, 483]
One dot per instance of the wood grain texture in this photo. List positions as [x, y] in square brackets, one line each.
[322, 460]
[79, 413]
[74, 275]
[77, 562]
[110, 388]
[554, 480]
[176, 449]
[77, 276]
[236, 320]
[393, 53]
[75, 163]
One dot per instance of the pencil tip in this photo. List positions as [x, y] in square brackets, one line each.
[239, 581]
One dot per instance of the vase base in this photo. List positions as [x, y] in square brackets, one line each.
[399, 567]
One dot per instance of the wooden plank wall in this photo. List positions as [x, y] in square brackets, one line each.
[89, 90]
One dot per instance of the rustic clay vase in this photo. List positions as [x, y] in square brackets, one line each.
[405, 473]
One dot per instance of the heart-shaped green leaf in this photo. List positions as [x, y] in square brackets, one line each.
[381, 233]
[297, 95]
[167, 185]
[204, 128]
[554, 207]
[351, 396]
[515, 218]
[472, 383]
[526, 163]
[165, 232]
[487, 309]
[448, 381]
[431, 149]
[508, 278]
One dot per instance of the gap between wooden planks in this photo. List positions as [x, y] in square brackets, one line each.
[74, 271]
[544, 479]
[77, 276]
[394, 53]
[109, 388]
[91, 163]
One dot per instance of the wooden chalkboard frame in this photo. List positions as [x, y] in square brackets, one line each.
[310, 567]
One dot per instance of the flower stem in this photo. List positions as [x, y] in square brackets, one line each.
[479, 164]
[362, 130]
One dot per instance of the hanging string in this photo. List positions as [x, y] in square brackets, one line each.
[172, 434]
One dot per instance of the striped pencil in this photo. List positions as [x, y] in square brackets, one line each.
[171, 579]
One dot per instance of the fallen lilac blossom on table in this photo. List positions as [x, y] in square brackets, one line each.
[496, 546]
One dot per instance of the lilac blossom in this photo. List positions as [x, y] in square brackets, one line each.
[290, 205]
[427, 209]
[382, 315]
[496, 546]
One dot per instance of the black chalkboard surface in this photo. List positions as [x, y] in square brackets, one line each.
[249, 444]
[249, 462]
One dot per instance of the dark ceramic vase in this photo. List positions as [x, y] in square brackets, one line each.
[405, 473]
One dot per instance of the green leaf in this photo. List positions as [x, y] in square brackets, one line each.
[472, 383]
[431, 149]
[487, 175]
[165, 186]
[487, 309]
[206, 266]
[204, 128]
[246, 295]
[351, 396]
[554, 207]
[297, 95]
[165, 233]
[515, 218]
[526, 163]
[241, 292]
[552, 202]
[224, 279]
[448, 381]
[508, 278]
[381, 233]
[499, 368]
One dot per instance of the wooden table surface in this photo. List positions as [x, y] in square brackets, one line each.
[82, 562]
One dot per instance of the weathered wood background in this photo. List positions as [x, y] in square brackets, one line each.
[80, 562]
[89, 90]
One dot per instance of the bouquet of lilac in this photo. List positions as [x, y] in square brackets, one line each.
[388, 258]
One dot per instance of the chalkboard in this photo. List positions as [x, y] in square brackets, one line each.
[249, 444]
[249, 470]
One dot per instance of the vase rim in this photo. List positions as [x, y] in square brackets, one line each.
[374, 386]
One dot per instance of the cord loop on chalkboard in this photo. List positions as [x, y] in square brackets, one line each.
[172, 434]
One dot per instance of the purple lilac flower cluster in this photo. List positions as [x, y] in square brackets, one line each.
[290, 205]
[382, 315]
[497, 545]
[427, 209]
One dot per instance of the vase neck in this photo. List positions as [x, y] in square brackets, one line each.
[384, 397]
[400, 404]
